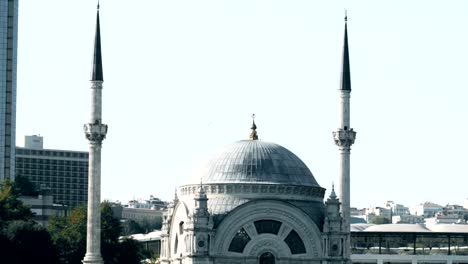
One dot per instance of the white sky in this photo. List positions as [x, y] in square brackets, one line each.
[182, 79]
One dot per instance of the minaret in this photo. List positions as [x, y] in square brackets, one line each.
[199, 229]
[334, 232]
[95, 132]
[344, 137]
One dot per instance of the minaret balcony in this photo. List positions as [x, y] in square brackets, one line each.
[344, 137]
[95, 132]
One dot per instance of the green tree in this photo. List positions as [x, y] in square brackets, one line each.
[131, 252]
[31, 243]
[149, 225]
[379, 220]
[23, 186]
[130, 227]
[11, 208]
[19, 234]
[69, 236]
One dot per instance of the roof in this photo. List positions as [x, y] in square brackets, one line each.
[345, 70]
[410, 228]
[449, 228]
[255, 161]
[155, 235]
[96, 74]
[359, 227]
[397, 228]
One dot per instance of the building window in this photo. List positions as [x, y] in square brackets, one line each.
[176, 244]
[295, 244]
[267, 226]
[239, 241]
[267, 258]
[181, 227]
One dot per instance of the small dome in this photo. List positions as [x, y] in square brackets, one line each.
[254, 161]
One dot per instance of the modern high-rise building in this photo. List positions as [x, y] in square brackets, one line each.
[8, 51]
[63, 172]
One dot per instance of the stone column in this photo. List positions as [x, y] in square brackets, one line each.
[95, 132]
[344, 137]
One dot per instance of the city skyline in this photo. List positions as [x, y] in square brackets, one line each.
[182, 80]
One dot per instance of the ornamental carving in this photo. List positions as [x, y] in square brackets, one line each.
[95, 132]
[344, 138]
[307, 193]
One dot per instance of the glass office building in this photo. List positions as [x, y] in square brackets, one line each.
[8, 52]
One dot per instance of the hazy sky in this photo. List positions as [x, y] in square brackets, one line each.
[182, 79]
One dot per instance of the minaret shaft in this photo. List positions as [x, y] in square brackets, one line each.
[93, 234]
[96, 102]
[344, 183]
[345, 109]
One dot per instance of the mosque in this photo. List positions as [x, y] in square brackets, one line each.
[257, 202]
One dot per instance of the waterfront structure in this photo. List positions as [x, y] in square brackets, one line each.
[8, 65]
[389, 243]
[344, 138]
[95, 132]
[63, 172]
[409, 243]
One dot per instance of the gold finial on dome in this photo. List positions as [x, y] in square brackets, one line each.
[253, 133]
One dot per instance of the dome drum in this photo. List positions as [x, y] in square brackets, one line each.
[255, 191]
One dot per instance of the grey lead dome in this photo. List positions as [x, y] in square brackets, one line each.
[254, 161]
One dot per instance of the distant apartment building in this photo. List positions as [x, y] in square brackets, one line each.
[397, 209]
[139, 214]
[426, 209]
[453, 209]
[64, 172]
[448, 219]
[44, 208]
[379, 211]
[407, 219]
[152, 203]
[141, 210]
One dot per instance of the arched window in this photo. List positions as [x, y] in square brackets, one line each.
[295, 243]
[239, 241]
[267, 226]
[176, 244]
[181, 227]
[267, 258]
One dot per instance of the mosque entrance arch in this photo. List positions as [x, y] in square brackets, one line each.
[269, 232]
[267, 258]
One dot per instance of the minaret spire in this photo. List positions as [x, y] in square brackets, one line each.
[344, 138]
[345, 71]
[96, 74]
[95, 132]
